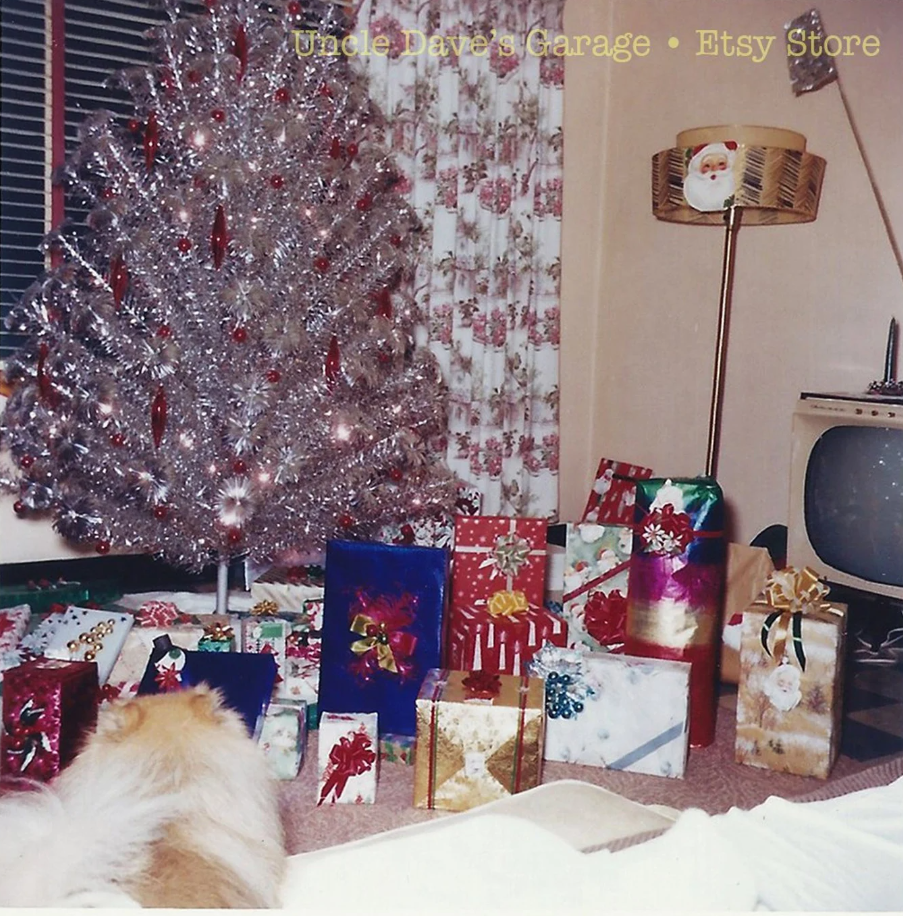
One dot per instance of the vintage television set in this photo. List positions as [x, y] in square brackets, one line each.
[846, 492]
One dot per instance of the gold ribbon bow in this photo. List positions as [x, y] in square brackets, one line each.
[378, 641]
[264, 608]
[218, 633]
[507, 604]
[792, 593]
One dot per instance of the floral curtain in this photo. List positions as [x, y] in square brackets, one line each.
[473, 105]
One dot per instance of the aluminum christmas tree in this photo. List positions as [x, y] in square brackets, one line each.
[222, 362]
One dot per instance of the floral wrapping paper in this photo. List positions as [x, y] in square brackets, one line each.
[348, 758]
[479, 738]
[382, 628]
[790, 695]
[434, 532]
[289, 587]
[502, 636]
[676, 586]
[86, 634]
[14, 622]
[612, 497]
[596, 573]
[615, 711]
[283, 737]
[49, 706]
[495, 554]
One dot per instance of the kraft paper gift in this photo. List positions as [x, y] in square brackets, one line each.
[790, 696]
[348, 758]
[615, 711]
[479, 738]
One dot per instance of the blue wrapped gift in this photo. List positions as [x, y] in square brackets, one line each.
[245, 679]
[383, 614]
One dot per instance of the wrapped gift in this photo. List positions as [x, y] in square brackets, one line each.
[267, 635]
[49, 706]
[219, 633]
[244, 679]
[283, 735]
[397, 748]
[86, 634]
[612, 497]
[301, 669]
[479, 738]
[290, 588]
[434, 531]
[498, 554]
[676, 586]
[597, 566]
[41, 594]
[13, 624]
[139, 644]
[382, 628]
[348, 758]
[615, 711]
[790, 696]
[746, 574]
[501, 636]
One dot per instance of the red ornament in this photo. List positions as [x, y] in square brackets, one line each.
[117, 439]
[396, 474]
[160, 512]
[169, 87]
[293, 8]
[45, 387]
[164, 331]
[282, 94]
[395, 240]
[233, 535]
[333, 363]
[107, 194]
[134, 125]
[193, 76]
[102, 547]
[239, 335]
[151, 140]
[346, 521]
[364, 203]
[158, 416]
[335, 148]
[26, 461]
[273, 376]
[276, 181]
[351, 149]
[19, 507]
[184, 244]
[218, 237]
[384, 303]
[240, 50]
[325, 90]
[119, 278]
[321, 263]
[239, 466]
[218, 115]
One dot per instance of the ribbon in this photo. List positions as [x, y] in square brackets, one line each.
[596, 581]
[346, 759]
[507, 604]
[385, 644]
[265, 608]
[509, 555]
[793, 593]
[482, 685]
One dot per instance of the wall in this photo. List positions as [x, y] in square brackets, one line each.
[811, 302]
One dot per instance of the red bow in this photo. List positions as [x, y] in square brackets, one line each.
[605, 617]
[346, 759]
[482, 684]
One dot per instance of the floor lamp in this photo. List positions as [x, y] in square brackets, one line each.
[722, 176]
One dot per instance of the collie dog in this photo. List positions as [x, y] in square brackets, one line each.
[169, 804]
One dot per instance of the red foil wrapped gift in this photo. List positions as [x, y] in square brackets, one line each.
[498, 554]
[49, 705]
[502, 636]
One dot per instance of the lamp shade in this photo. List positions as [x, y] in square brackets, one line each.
[766, 171]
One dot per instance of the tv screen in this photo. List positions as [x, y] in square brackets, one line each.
[853, 504]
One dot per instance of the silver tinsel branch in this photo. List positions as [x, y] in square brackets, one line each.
[223, 361]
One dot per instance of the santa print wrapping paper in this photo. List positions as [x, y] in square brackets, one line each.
[13, 624]
[382, 628]
[596, 571]
[348, 758]
[612, 497]
[283, 736]
[479, 738]
[497, 554]
[615, 711]
[49, 706]
[790, 695]
[676, 586]
[85, 634]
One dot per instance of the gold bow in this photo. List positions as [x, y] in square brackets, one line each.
[218, 633]
[507, 604]
[265, 608]
[378, 641]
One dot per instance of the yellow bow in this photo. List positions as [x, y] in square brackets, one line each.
[265, 608]
[378, 641]
[218, 633]
[507, 604]
[792, 593]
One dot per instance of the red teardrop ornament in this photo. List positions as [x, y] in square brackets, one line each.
[351, 149]
[384, 303]
[151, 140]
[333, 363]
[158, 416]
[240, 50]
[119, 278]
[335, 148]
[45, 388]
[218, 237]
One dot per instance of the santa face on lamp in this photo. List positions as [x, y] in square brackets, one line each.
[710, 184]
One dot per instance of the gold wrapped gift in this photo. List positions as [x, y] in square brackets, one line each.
[479, 737]
[790, 695]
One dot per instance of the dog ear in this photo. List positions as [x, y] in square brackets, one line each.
[208, 703]
[120, 720]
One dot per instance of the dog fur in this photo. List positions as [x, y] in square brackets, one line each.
[169, 804]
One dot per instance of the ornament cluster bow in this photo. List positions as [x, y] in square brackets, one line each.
[510, 553]
[666, 532]
[482, 685]
[792, 593]
[385, 644]
[564, 672]
[24, 738]
[348, 757]
[507, 604]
